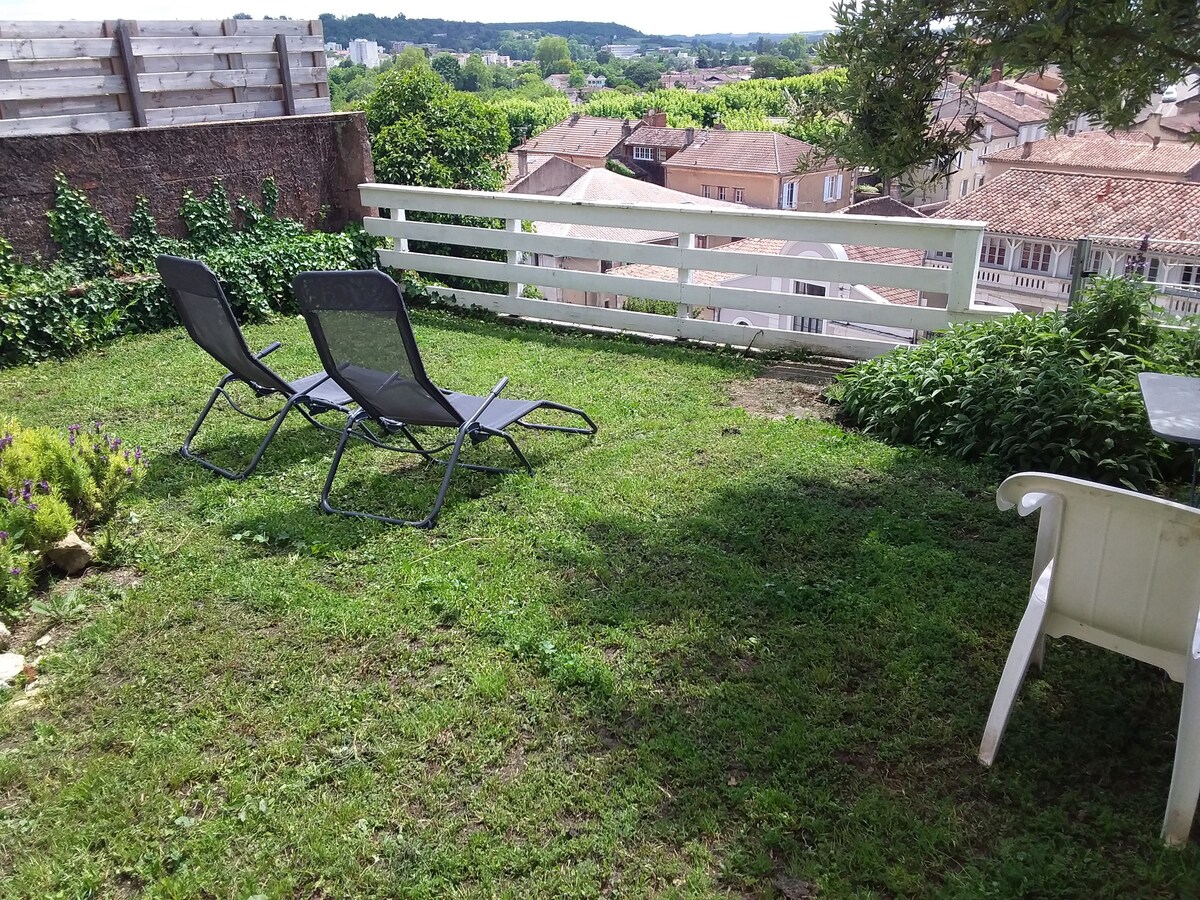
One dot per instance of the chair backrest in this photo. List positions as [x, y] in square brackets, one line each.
[1126, 570]
[360, 326]
[208, 318]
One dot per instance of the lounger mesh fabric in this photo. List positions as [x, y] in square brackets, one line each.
[365, 340]
[208, 319]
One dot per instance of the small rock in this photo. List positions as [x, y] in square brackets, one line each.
[5, 637]
[11, 665]
[795, 888]
[72, 554]
[43, 640]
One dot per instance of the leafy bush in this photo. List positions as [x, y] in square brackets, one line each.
[103, 286]
[1053, 392]
[50, 483]
[641, 304]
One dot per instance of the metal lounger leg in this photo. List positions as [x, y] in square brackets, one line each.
[592, 427]
[219, 391]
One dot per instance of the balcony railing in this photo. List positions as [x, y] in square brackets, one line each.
[952, 289]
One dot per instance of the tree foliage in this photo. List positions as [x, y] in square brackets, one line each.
[898, 53]
[425, 132]
[447, 65]
[553, 55]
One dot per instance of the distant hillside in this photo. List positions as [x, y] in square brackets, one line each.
[745, 39]
[463, 35]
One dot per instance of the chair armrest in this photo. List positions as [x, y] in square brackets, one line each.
[500, 385]
[270, 348]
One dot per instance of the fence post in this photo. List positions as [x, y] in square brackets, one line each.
[515, 289]
[1083, 258]
[687, 242]
[400, 244]
[964, 270]
[129, 63]
[285, 75]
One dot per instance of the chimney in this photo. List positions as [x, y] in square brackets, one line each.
[522, 162]
[1154, 142]
[1020, 98]
[655, 118]
[997, 75]
[1026, 149]
[575, 118]
[626, 129]
[689, 135]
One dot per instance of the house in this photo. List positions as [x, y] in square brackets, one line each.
[539, 173]
[1099, 153]
[587, 141]
[763, 169]
[601, 184]
[967, 171]
[622, 51]
[701, 82]
[595, 82]
[558, 82]
[1035, 220]
[651, 144]
[364, 53]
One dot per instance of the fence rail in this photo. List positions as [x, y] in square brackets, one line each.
[765, 284]
[62, 77]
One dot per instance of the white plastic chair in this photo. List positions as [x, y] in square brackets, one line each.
[1122, 571]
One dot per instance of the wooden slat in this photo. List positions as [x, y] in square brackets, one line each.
[59, 68]
[170, 46]
[773, 302]
[30, 109]
[61, 29]
[217, 79]
[762, 264]
[922, 234]
[55, 88]
[285, 75]
[213, 27]
[220, 112]
[108, 121]
[56, 48]
[234, 61]
[669, 326]
[125, 30]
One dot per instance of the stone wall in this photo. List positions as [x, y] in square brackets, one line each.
[318, 161]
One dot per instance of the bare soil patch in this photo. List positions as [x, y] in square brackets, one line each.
[788, 389]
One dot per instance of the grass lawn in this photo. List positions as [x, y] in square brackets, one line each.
[704, 654]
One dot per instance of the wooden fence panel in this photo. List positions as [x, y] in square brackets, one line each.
[58, 77]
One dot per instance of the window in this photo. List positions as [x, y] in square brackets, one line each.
[943, 254]
[833, 187]
[963, 186]
[1152, 269]
[1149, 269]
[958, 160]
[662, 155]
[646, 153]
[789, 196]
[809, 324]
[721, 193]
[739, 195]
[1097, 260]
[994, 252]
[707, 191]
[979, 181]
[1035, 257]
[1189, 277]
[808, 289]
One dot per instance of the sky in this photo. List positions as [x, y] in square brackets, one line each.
[673, 17]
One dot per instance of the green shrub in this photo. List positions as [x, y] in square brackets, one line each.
[103, 286]
[642, 305]
[50, 483]
[1052, 392]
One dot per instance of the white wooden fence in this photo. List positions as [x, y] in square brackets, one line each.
[955, 284]
[62, 77]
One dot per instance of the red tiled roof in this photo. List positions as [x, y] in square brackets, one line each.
[1066, 207]
[1184, 123]
[1000, 104]
[645, 136]
[580, 136]
[766, 152]
[882, 206]
[1133, 153]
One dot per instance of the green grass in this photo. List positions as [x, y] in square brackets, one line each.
[696, 656]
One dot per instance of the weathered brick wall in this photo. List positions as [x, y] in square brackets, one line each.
[317, 161]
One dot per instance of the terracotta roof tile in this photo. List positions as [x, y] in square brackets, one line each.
[1133, 153]
[1066, 207]
[1001, 105]
[645, 136]
[580, 136]
[703, 277]
[766, 152]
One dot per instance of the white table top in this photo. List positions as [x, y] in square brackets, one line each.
[1173, 404]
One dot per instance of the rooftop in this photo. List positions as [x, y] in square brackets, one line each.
[667, 138]
[1097, 150]
[766, 152]
[1066, 207]
[580, 135]
[1030, 112]
[601, 184]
